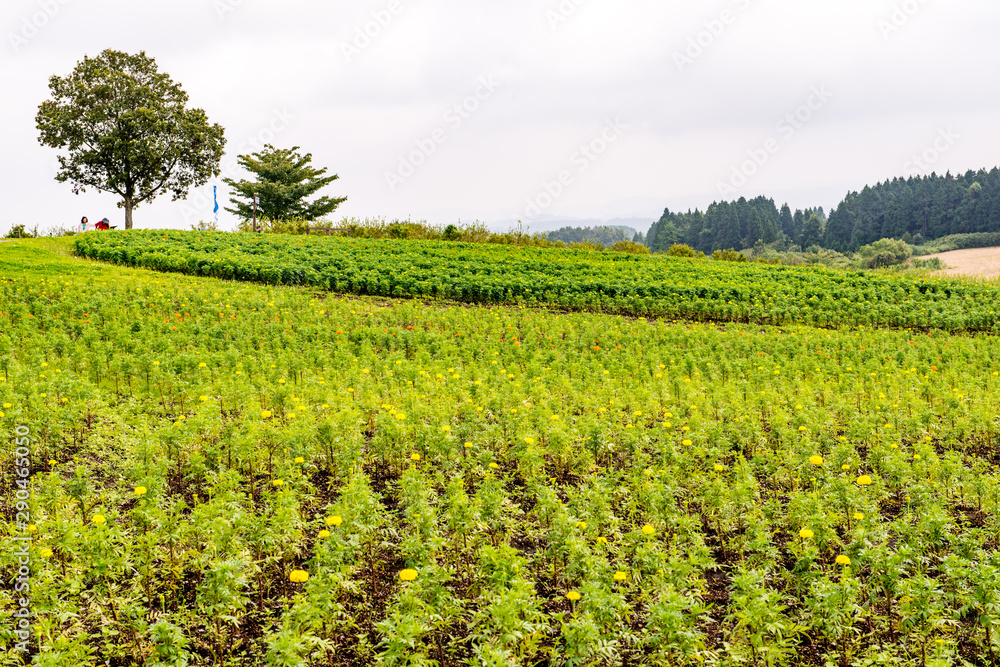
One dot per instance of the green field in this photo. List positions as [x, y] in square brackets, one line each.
[229, 473]
[651, 286]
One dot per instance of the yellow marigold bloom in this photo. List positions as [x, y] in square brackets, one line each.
[816, 460]
[53, 462]
[408, 575]
[719, 468]
[864, 480]
[298, 576]
[32, 528]
[414, 457]
[265, 414]
[581, 524]
[203, 398]
[916, 457]
[687, 443]
[445, 428]
[843, 560]
[845, 467]
[620, 576]
[802, 428]
[140, 490]
[299, 459]
[530, 441]
[858, 516]
[98, 519]
[601, 540]
[573, 596]
[334, 520]
[202, 365]
[648, 530]
[494, 466]
[324, 533]
[278, 482]
[805, 533]
[45, 553]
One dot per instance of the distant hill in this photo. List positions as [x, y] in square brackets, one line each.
[606, 235]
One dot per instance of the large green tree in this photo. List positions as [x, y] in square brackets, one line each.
[126, 129]
[284, 180]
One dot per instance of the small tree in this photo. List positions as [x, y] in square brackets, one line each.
[127, 130]
[284, 179]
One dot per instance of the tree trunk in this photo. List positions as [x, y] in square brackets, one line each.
[128, 213]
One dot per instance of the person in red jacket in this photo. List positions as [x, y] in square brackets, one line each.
[103, 224]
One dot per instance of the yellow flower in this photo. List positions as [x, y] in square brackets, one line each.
[816, 460]
[916, 457]
[45, 553]
[530, 441]
[298, 576]
[299, 459]
[445, 428]
[324, 533]
[203, 398]
[802, 428]
[278, 482]
[581, 524]
[858, 516]
[687, 443]
[202, 365]
[620, 576]
[140, 490]
[719, 467]
[601, 540]
[265, 414]
[32, 528]
[414, 457]
[408, 575]
[334, 520]
[98, 519]
[53, 462]
[845, 467]
[648, 530]
[494, 466]
[843, 560]
[572, 596]
[864, 480]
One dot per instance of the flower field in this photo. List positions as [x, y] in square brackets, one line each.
[650, 286]
[227, 473]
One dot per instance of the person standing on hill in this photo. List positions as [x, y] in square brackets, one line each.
[83, 224]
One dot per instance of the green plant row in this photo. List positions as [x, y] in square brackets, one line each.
[234, 474]
[569, 279]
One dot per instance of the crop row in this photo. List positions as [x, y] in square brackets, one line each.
[651, 286]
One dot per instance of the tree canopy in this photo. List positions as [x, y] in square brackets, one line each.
[126, 129]
[284, 181]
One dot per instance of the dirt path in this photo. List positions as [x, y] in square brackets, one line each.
[978, 262]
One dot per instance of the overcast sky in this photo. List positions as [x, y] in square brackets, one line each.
[522, 109]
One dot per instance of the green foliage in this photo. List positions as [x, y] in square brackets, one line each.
[19, 232]
[126, 129]
[630, 247]
[665, 473]
[728, 256]
[958, 242]
[604, 235]
[681, 250]
[884, 253]
[283, 180]
[585, 280]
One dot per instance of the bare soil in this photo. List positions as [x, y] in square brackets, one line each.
[978, 262]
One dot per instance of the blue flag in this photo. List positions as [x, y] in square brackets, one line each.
[215, 196]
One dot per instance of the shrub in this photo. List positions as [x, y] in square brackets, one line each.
[630, 247]
[885, 252]
[681, 250]
[729, 256]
